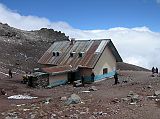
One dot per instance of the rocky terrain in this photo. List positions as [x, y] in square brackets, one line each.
[22, 49]
[137, 96]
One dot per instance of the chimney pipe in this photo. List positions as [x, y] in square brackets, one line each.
[72, 41]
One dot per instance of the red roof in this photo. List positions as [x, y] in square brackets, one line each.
[57, 69]
[90, 50]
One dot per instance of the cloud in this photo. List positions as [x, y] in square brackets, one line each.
[139, 45]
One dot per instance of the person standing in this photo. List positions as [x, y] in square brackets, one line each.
[10, 73]
[92, 77]
[156, 70]
[153, 70]
[82, 79]
[116, 78]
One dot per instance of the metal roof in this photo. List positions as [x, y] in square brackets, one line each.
[90, 51]
[58, 69]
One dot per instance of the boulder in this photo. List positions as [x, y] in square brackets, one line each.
[63, 98]
[74, 99]
[47, 100]
[92, 88]
[149, 86]
[135, 98]
[115, 100]
[124, 99]
[157, 93]
[131, 93]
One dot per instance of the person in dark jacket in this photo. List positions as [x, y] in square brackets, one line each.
[116, 78]
[10, 73]
[92, 77]
[153, 70]
[82, 79]
[156, 70]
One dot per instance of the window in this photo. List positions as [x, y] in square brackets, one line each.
[80, 54]
[105, 70]
[57, 53]
[71, 54]
[54, 54]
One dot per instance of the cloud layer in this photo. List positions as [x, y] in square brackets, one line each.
[139, 46]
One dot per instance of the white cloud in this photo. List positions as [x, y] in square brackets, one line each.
[139, 45]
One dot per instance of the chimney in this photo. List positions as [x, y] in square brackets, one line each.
[72, 41]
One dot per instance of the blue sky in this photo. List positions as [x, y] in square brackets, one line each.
[93, 14]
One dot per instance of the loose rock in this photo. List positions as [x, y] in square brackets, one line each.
[92, 88]
[63, 98]
[157, 93]
[74, 99]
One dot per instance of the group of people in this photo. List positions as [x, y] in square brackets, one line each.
[93, 76]
[154, 70]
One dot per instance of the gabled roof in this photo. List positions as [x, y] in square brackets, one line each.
[90, 50]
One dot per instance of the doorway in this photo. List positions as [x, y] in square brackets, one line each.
[71, 77]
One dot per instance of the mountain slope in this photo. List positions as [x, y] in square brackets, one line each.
[126, 66]
[22, 49]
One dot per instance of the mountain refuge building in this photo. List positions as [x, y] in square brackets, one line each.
[68, 61]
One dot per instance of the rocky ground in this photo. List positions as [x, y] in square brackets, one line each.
[22, 49]
[136, 97]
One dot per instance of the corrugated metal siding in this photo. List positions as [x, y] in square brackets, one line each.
[88, 48]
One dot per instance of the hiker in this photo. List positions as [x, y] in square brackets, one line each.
[82, 79]
[116, 78]
[156, 70]
[92, 77]
[10, 73]
[153, 70]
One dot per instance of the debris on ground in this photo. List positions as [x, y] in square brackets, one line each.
[115, 100]
[47, 100]
[86, 91]
[77, 83]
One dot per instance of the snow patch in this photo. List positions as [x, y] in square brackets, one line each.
[18, 97]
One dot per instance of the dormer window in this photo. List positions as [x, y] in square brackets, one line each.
[80, 54]
[57, 53]
[54, 54]
[72, 54]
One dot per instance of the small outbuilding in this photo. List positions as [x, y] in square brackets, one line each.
[38, 80]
